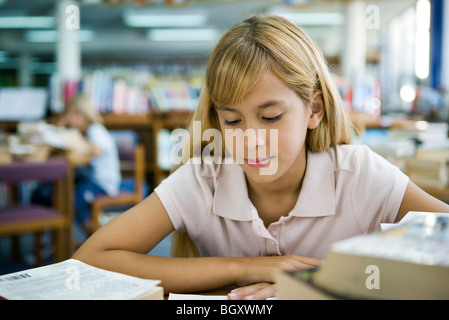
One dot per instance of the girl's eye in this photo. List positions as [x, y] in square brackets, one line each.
[272, 119]
[231, 123]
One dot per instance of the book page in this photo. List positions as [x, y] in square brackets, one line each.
[423, 217]
[177, 296]
[416, 217]
[72, 280]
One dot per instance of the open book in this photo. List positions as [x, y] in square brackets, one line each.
[408, 261]
[75, 280]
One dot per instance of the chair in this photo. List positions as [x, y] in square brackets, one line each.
[128, 160]
[17, 219]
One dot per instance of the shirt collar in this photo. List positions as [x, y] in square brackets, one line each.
[316, 199]
[317, 196]
[231, 194]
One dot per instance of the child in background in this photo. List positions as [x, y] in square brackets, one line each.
[102, 175]
[265, 73]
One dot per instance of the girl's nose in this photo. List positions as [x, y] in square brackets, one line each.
[256, 138]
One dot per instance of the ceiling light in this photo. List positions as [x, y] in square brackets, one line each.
[407, 93]
[26, 22]
[52, 35]
[167, 35]
[134, 18]
[313, 18]
[422, 39]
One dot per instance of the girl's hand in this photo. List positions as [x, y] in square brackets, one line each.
[95, 151]
[258, 291]
[264, 269]
[259, 272]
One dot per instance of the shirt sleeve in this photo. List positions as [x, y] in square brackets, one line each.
[99, 136]
[378, 188]
[187, 197]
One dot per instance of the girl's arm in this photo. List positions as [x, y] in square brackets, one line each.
[415, 199]
[122, 246]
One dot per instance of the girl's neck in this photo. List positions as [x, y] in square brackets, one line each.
[288, 184]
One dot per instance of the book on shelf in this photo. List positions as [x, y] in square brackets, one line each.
[172, 95]
[113, 95]
[75, 280]
[129, 90]
[409, 260]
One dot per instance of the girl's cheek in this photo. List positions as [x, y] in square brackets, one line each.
[290, 142]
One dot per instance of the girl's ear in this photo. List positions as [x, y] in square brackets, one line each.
[317, 110]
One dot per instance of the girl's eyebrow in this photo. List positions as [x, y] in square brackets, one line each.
[269, 104]
[226, 108]
[262, 106]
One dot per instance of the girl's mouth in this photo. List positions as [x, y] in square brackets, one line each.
[258, 163]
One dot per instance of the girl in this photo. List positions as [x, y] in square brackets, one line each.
[264, 74]
[102, 176]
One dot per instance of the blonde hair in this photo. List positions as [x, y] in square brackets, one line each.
[84, 106]
[253, 47]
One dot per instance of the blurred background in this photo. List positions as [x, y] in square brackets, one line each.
[378, 48]
[142, 63]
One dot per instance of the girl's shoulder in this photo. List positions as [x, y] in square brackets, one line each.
[95, 127]
[98, 132]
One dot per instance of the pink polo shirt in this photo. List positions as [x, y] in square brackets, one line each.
[347, 190]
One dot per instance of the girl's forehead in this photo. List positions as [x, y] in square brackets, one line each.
[268, 87]
[234, 87]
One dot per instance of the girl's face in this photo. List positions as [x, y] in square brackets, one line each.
[273, 122]
[75, 119]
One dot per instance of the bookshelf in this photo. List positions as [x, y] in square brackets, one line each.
[127, 121]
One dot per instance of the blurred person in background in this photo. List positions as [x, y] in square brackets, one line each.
[102, 174]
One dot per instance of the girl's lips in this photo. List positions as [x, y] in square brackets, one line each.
[258, 163]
